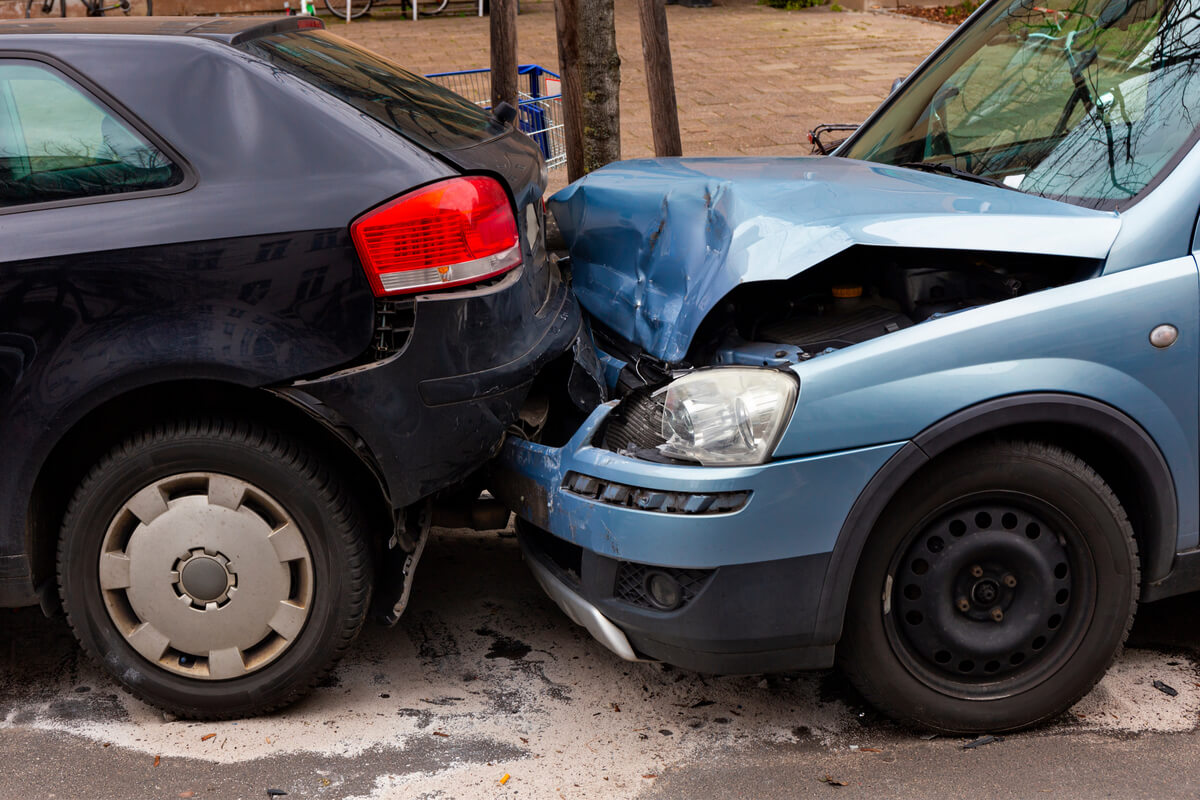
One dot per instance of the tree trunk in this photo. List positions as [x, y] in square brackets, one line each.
[503, 21]
[600, 80]
[660, 78]
[566, 23]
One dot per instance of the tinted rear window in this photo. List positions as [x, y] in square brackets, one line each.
[417, 109]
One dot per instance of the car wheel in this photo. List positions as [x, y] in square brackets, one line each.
[995, 592]
[215, 568]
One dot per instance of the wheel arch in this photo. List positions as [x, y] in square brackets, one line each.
[1112, 443]
[104, 426]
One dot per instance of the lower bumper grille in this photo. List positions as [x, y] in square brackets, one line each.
[567, 556]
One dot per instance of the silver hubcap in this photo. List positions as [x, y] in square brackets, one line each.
[206, 575]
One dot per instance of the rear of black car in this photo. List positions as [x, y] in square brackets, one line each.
[468, 308]
[336, 312]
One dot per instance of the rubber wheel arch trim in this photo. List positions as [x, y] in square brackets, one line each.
[1033, 408]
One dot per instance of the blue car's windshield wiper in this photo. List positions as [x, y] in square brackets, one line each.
[955, 172]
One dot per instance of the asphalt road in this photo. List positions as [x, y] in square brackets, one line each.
[485, 678]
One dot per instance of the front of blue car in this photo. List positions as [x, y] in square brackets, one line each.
[853, 392]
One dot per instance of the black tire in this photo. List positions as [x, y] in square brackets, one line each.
[1025, 528]
[357, 8]
[285, 488]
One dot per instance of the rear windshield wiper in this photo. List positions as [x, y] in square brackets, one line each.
[946, 169]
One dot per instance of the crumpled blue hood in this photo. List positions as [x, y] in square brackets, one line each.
[656, 243]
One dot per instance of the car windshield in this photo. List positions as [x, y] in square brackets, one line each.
[1087, 101]
[417, 109]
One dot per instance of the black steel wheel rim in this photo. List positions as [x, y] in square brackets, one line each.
[989, 595]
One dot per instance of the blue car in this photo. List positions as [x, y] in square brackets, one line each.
[926, 408]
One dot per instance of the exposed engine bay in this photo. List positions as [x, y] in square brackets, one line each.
[864, 293]
[859, 295]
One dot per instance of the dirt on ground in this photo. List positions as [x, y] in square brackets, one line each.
[483, 677]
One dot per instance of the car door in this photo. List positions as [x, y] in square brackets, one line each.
[61, 146]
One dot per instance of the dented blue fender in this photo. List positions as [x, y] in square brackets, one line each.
[655, 244]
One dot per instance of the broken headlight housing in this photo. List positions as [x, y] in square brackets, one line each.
[726, 415]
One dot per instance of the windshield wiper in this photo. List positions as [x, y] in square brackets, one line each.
[954, 172]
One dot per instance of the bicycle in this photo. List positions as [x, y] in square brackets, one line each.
[360, 7]
[95, 8]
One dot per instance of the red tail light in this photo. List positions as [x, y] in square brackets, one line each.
[449, 233]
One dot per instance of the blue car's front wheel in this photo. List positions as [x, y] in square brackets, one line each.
[995, 592]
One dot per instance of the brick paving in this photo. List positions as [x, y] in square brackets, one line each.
[750, 80]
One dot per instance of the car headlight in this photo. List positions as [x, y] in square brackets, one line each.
[726, 415]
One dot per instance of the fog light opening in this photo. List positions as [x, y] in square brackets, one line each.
[664, 591]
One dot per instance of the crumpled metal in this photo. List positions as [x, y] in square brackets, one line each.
[657, 243]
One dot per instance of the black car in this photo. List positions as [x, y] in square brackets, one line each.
[262, 293]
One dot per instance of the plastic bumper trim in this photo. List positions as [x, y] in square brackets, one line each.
[581, 611]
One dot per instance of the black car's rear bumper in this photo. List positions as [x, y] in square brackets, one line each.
[433, 412]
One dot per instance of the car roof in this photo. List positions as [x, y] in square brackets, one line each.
[230, 30]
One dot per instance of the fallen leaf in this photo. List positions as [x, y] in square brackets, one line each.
[832, 781]
[208, 736]
[615, 707]
[869, 750]
[187, 794]
[523, 740]
[157, 759]
[650, 775]
[439, 733]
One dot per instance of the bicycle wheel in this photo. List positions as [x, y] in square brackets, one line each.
[428, 9]
[357, 8]
[97, 9]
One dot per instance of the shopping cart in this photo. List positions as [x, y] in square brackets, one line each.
[539, 101]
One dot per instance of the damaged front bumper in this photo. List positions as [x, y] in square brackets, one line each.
[746, 548]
